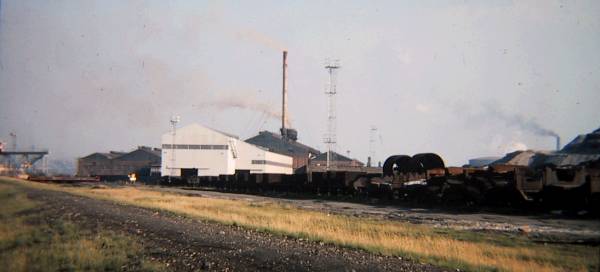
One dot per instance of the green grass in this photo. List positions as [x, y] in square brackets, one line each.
[31, 241]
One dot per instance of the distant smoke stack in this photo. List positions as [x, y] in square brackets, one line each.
[284, 97]
[369, 161]
[557, 143]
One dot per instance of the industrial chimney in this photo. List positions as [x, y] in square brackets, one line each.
[557, 143]
[286, 133]
[284, 97]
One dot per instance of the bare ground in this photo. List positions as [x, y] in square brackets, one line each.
[186, 244]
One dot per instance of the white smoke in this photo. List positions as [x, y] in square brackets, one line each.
[247, 103]
[260, 38]
[513, 146]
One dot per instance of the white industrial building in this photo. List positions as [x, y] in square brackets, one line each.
[202, 151]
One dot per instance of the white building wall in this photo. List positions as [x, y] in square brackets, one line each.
[209, 162]
[247, 154]
[277, 163]
[258, 160]
[221, 161]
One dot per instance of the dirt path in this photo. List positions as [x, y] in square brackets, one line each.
[541, 226]
[190, 245]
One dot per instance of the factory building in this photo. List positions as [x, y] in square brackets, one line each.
[482, 161]
[196, 150]
[583, 149]
[584, 144]
[285, 144]
[117, 165]
[337, 163]
[336, 160]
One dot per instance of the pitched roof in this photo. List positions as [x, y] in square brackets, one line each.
[537, 159]
[520, 157]
[196, 125]
[563, 159]
[334, 157]
[275, 143]
[584, 144]
[111, 155]
[114, 154]
[582, 149]
[141, 154]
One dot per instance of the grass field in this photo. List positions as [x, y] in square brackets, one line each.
[30, 241]
[466, 250]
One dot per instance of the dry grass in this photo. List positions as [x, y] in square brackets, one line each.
[30, 242]
[466, 250]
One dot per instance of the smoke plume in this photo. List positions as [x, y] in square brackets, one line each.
[247, 103]
[519, 121]
[260, 38]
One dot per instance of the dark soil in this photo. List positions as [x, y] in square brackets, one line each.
[185, 244]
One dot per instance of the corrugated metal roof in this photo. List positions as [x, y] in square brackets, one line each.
[154, 152]
[334, 157]
[582, 149]
[537, 159]
[141, 154]
[563, 159]
[275, 143]
[584, 144]
[522, 157]
[483, 161]
[112, 154]
[97, 154]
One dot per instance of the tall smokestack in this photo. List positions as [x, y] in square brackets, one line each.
[284, 97]
[557, 143]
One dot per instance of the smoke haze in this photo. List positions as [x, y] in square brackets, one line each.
[518, 121]
[244, 102]
[260, 38]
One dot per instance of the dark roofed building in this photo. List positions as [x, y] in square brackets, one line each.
[111, 154]
[584, 144]
[336, 160]
[143, 153]
[286, 146]
[562, 159]
[583, 149]
[117, 165]
[338, 163]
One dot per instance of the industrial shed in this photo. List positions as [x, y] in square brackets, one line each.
[288, 146]
[482, 161]
[117, 165]
[584, 144]
[336, 160]
[196, 150]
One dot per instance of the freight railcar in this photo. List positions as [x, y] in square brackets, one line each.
[424, 178]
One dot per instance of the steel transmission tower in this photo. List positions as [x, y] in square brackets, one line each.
[174, 120]
[372, 149]
[331, 91]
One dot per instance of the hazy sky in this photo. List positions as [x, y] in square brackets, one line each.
[459, 78]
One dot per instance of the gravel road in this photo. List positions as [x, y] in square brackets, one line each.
[186, 244]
